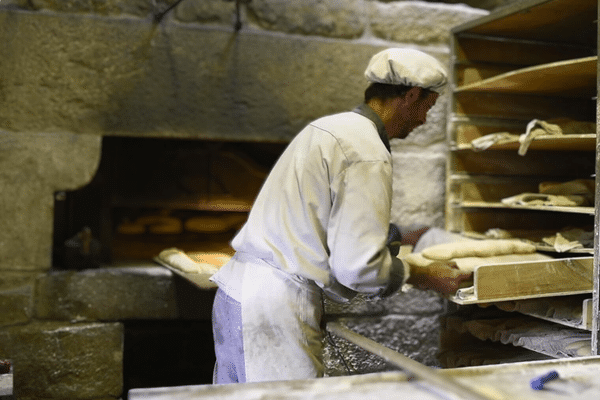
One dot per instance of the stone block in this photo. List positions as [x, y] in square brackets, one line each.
[107, 294]
[12, 280]
[119, 76]
[330, 18]
[206, 11]
[16, 305]
[140, 8]
[32, 168]
[419, 184]
[483, 4]
[65, 361]
[113, 294]
[418, 22]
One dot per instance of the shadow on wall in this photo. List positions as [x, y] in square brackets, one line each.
[204, 84]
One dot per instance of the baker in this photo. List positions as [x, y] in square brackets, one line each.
[320, 226]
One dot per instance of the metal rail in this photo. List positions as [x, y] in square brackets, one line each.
[412, 367]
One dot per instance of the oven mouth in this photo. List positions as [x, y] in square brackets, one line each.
[150, 194]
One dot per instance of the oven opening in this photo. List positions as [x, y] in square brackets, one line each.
[152, 194]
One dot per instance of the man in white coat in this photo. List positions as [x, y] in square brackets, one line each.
[320, 226]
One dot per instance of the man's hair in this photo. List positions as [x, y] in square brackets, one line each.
[385, 91]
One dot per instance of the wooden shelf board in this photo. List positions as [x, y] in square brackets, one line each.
[527, 280]
[476, 204]
[571, 78]
[570, 22]
[571, 311]
[532, 238]
[526, 332]
[574, 142]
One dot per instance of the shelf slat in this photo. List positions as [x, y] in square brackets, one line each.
[527, 280]
[478, 204]
[571, 311]
[571, 142]
[571, 78]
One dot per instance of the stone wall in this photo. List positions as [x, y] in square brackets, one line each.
[76, 70]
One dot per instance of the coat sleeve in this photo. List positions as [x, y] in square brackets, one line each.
[358, 230]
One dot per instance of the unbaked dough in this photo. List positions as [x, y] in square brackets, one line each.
[477, 248]
[181, 261]
[469, 264]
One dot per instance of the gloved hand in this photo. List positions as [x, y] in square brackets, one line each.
[442, 276]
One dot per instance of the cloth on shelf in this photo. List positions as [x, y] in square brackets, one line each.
[541, 199]
[497, 233]
[576, 187]
[484, 142]
[545, 337]
[575, 193]
[534, 129]
[570, 239]
[561, 244]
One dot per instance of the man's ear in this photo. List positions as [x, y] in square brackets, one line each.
[413, 94]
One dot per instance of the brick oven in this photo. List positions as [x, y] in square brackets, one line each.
[147, 195]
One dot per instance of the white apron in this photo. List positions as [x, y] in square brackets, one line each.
[281, 317]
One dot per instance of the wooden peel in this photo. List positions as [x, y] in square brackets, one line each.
[412, 367]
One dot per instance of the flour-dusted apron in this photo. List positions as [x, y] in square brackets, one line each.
[281, 317]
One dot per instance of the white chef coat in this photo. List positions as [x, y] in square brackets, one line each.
[320, 221]
[323, 212]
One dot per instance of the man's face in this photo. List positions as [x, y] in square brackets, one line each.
[410, 113]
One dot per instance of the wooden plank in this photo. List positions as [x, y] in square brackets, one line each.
[533, 279]
[575, 142]
[571, 78]
[595, 308]
[482, 219]
[526, 332]
[564, 166]
[485, 104]
[570, 21]
[571, 311]
[492, 192]
[490, 205]
[464, 130]
[485, 54]
[535, 237]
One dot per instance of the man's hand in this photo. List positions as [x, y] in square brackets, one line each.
[412, 233]
[443, 277]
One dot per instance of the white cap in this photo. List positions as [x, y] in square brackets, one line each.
[407, 67]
